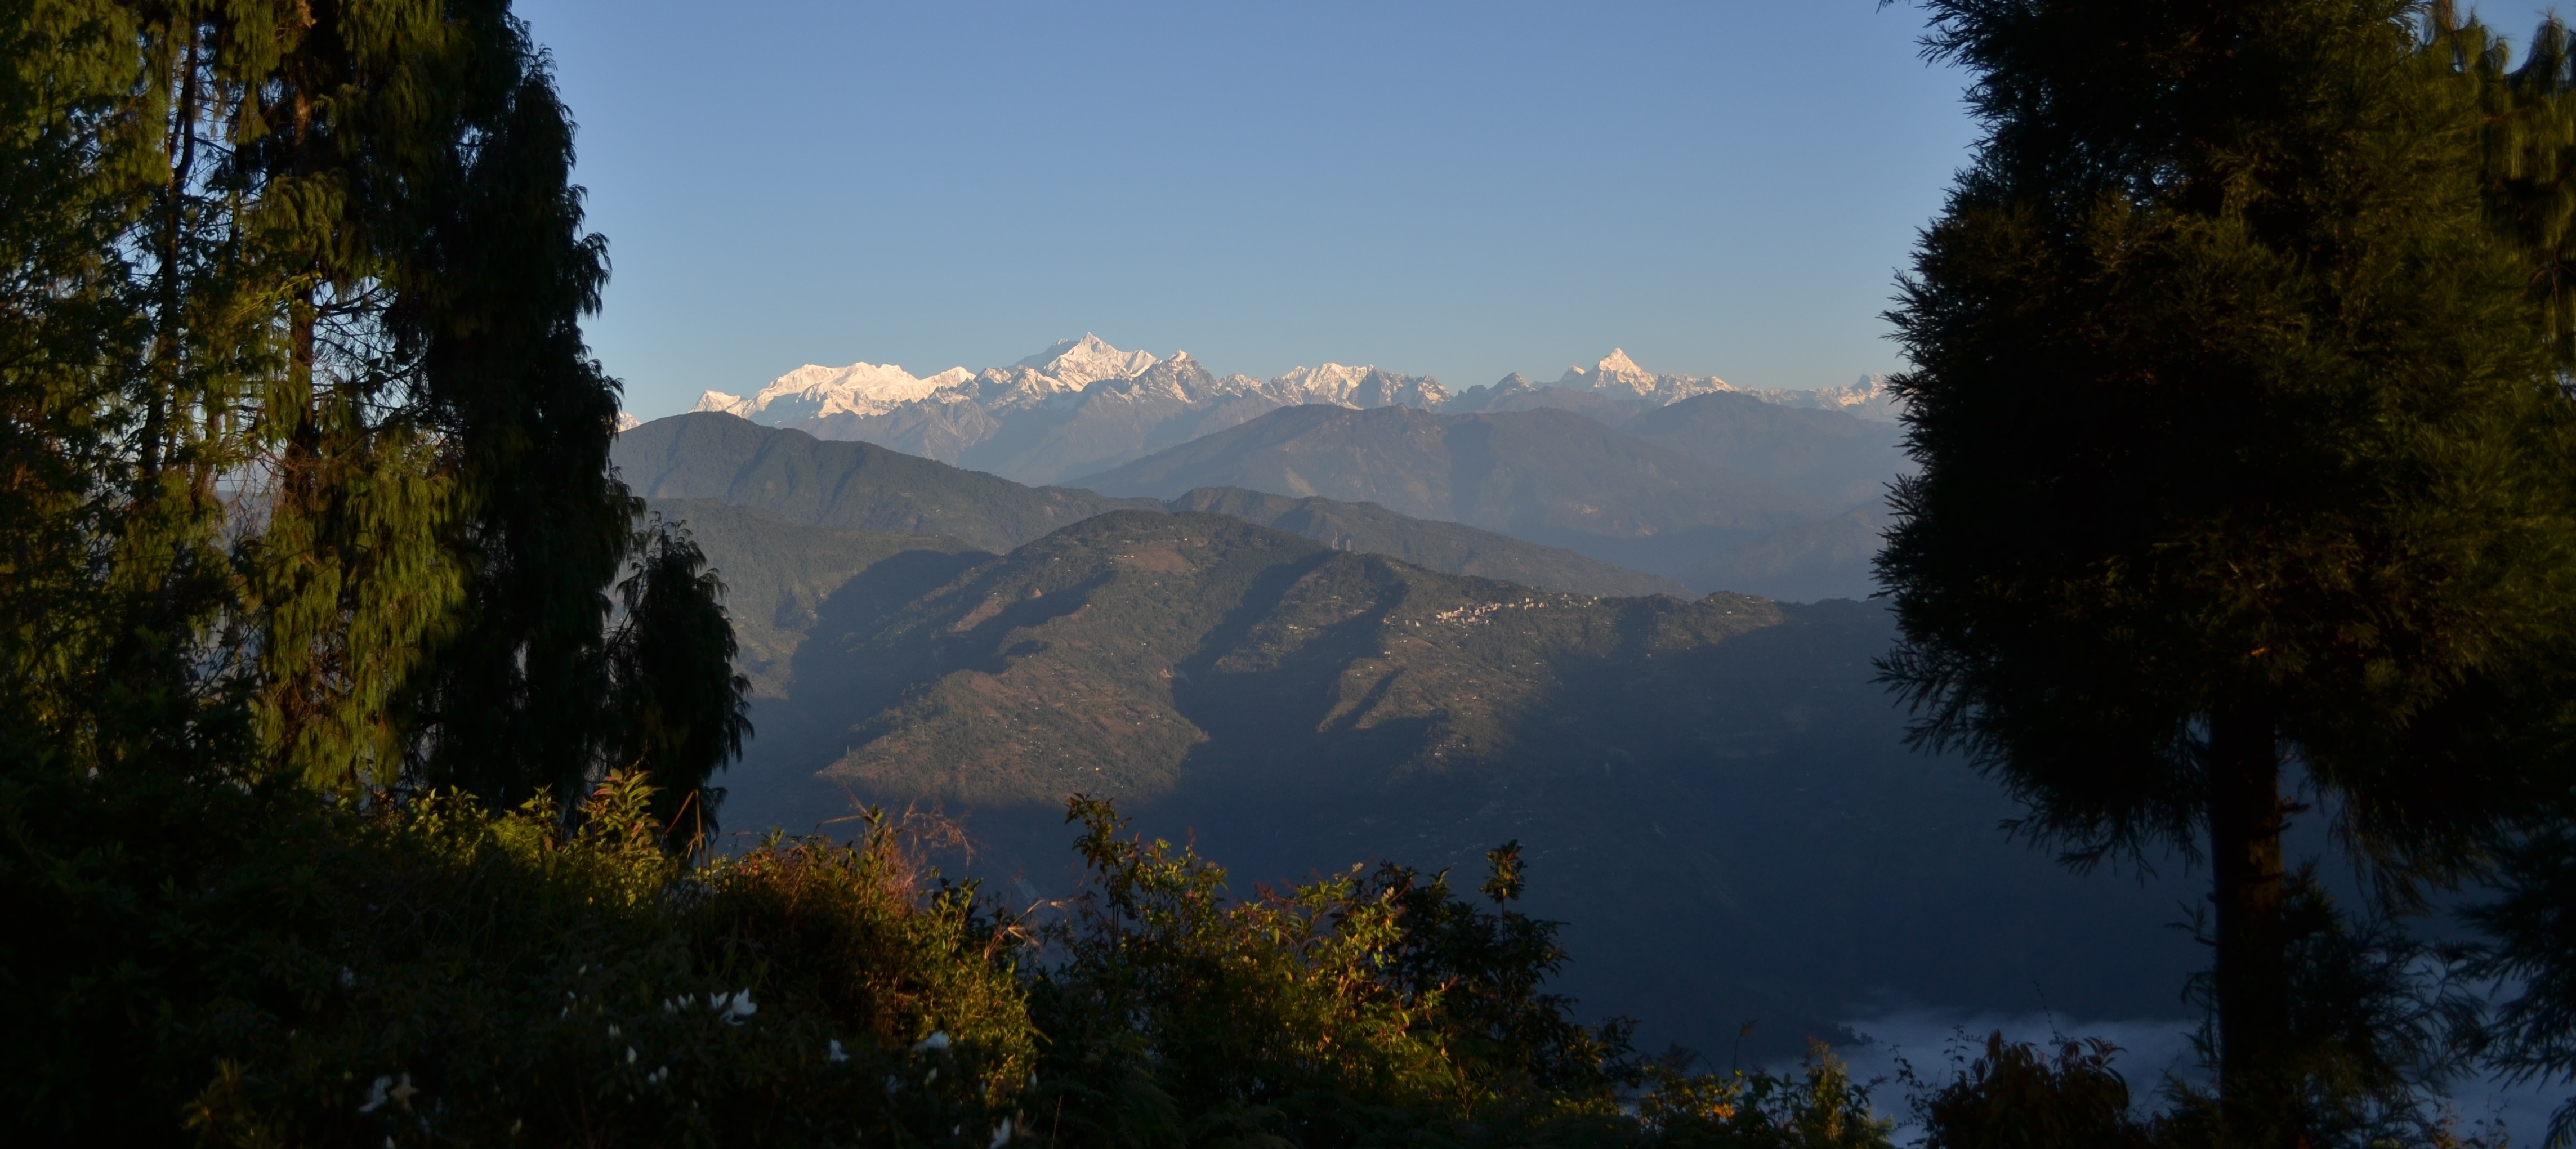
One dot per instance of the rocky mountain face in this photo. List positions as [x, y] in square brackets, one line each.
[1083, 405]
[1712, 793]
[706, 461]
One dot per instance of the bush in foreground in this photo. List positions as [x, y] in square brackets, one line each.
[246, 964]
[253, 966]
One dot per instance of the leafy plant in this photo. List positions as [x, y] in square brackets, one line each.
[1360, 1008]
[429, 971]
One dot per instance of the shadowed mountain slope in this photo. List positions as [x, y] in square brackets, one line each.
[717, 458]
[1833, 455]
[1548, 476]
[1454, 548]
[1713, 793]
[858, 486]
[1830, 559]
[777, 573]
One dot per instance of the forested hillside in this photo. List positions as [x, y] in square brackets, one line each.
[1545, 475]
[1451, 547]
[1289, 706]
[859, 486]
[789, 474]
[1830, 454]
[778, 573]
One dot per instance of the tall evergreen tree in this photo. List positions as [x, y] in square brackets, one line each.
[501, 277]
[2529, 113]
[308, 466]
[76, 185]
[681, 711]
[2242, 445]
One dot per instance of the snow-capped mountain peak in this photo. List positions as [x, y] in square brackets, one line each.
[1086, 360]
[727, 402]
[1618, 373]
[1083, 404]
[814, 391]
[1616, 367]
[1325, 384]
[1369, 386]
[1868, 398]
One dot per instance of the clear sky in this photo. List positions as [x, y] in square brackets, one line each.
[1464, 190]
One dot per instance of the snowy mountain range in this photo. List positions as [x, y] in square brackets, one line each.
[1082, 405]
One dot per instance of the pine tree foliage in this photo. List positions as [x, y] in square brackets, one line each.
[307, 463]
[2528, 145]
[2241, 440]
[681, 711]
[506, 275]
[2534, 929]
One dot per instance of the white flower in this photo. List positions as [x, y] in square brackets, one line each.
[736, 1006]
[937, 1040]
[613, 1030]
[630, 1055]
[834, 1054]
[1001, 1134]
[348, 978]
[388, 1089]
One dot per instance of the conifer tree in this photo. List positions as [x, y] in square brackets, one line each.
[308, 465]
[77, 182]
[2529, 113]
[2242, 445]
[2528, 143]
[680, 709]
[501, 277]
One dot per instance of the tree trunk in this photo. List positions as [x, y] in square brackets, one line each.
[2255, 1084]
[182, 162]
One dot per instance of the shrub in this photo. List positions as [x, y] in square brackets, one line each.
[251, 964]
[1368, 1007]
[255, 966]
[2015, 1096]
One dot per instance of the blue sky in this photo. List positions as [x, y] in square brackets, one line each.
[1459, 189]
